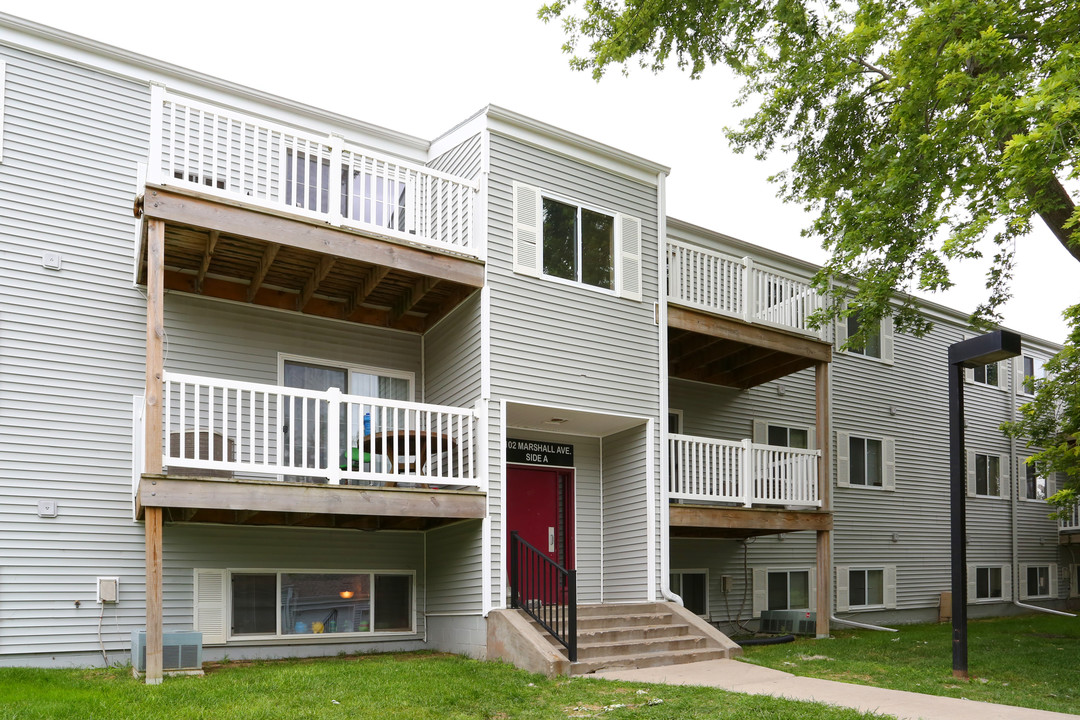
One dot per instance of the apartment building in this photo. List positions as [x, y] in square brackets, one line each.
[303, 384]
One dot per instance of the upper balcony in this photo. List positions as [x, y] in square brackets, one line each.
[281, 216]
[736, 322]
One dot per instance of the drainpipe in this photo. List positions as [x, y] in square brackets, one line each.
[662, 332]
[864, 626]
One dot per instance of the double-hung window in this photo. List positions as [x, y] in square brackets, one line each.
[557, 237]
[872, 346]
[792, 437]
[987, 474]
[865, 588]
[1037, 486]
[878, 343]
[788, 590]
[988, 583]
[1031, 371]
[1037, 581]
[863, 461]
[986, 374]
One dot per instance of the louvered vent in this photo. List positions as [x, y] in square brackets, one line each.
[180, 651]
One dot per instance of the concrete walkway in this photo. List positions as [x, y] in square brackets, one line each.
[755, 680]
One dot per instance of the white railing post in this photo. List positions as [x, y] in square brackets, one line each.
[337, 149]
[333, 434]
[157, 125]
[746, 467]
[748, 289]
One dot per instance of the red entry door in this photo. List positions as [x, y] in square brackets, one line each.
[539, 508]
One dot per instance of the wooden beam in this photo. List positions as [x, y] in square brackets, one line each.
[155, 335]
[757, 335]
[272, 496]
[211, 243]
[154, 636]
[326, 263]
[824, 473]
[264, 267]
[408, 300]
[310, 235]
[715, 516]
[365, 287]
[764, 372]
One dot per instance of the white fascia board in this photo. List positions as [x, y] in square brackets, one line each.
[571, 145]
[45, 40]
[472, 125]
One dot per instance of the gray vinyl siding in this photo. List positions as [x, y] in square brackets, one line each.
[455, 568]
[70, 352]
[626, 560]
[462, 160]
[239, 342]
[186, 546]
[560, 344]
[452, 357]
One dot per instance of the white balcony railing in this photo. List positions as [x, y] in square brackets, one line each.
[1072, 523]
[738, 287]
[321, 177]
[704, 469]
[214, 426]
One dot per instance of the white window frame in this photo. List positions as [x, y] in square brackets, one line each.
[1004, 462]
[679, 420]
[973, 578]
[843, 585]
[1039, 369]
[693, 571]
[761, 587]
[761, 431]
[843, 461]
[1021, 472]
[1002, 383]
[316, 637]
[1051, 581]
[886, 336]
[528, 241]
[349, 369]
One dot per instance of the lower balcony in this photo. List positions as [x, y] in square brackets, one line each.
[248, 453]
[724, 488]
[1069, 527]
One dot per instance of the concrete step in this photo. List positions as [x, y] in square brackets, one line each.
[639, 648]
[628, 634]
[599, 622]
[621, 662]
[608, 610]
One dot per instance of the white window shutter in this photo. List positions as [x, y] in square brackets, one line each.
[841, 332]
[813, 589]
[1023, 581]
[209, 592]
[528, 229]
[811, 438]
[887, 339]
[972, 592]
[969, 375]
[843, 596]
[1004, 465]
[1006, 583]
[888, 446]
[761, 590]
[971, 473]
[1053, 580]
[1018, 375]
[628, 242]
[1003, 375]
[843, 462]
[1051, 484]
[889, 578]
[761, 432]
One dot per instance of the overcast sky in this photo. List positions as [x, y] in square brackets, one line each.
[421, 66]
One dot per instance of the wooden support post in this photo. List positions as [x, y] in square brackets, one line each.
[824, 552]
[155, 332]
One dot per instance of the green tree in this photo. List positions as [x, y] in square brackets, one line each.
[915, 129]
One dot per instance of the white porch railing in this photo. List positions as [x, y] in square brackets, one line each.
[738, 287]
[1072, 524]
[257, 162]
[239, 429]
[741, 472]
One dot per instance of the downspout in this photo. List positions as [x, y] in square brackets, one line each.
[1016, 511]
[864, 626]
[662, 332]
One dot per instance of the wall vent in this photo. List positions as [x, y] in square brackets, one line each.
[797, 622]
[180, 651]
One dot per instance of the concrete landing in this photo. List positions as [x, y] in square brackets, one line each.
[755, 680]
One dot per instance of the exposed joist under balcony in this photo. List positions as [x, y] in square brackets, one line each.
[725, 351]
[222, 250]
[716, 521]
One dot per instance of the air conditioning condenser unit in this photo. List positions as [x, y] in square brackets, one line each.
[180, 651]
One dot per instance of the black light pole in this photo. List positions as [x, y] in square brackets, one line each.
[981, 350]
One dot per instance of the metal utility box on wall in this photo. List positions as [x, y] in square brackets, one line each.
[181, 651]
[797, 622]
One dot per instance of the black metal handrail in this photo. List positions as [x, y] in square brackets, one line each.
[545, 590]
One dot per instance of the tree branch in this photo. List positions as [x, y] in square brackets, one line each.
[873, 68]
[1056, 213]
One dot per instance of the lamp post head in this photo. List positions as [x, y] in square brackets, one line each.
[985, 349]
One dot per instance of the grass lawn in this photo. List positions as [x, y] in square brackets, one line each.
[1031, 661]
[415, 686]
